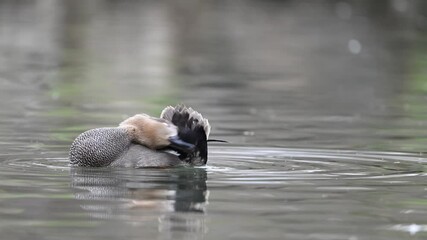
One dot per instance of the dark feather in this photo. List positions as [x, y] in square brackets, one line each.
[192, 128]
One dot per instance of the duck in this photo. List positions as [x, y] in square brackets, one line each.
[179, 137]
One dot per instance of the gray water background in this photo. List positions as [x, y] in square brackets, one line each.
[323, 103]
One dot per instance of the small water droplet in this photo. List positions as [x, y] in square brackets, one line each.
[414, 228]
[248, 133]
[354, 46]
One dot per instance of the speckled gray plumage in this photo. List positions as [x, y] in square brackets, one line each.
[99, 147]
[102, 147]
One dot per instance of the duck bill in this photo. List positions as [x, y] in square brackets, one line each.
[177, 144]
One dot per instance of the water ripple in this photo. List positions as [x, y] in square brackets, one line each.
[257, 164]
[270, 164]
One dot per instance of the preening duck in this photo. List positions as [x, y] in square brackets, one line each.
[178, 137]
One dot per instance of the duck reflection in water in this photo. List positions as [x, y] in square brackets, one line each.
[141, 195]
[176, 189]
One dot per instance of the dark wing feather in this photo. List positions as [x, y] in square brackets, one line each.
[192, 128]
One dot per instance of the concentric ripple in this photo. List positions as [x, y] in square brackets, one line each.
[37, 164]
[268, 164]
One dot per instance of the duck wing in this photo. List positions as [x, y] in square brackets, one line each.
[192, 128]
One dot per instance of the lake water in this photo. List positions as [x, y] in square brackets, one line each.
[323, 103]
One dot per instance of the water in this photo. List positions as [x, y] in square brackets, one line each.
[323, 103]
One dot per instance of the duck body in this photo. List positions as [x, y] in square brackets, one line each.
[101, 147]
[138, 156]
[177, 138]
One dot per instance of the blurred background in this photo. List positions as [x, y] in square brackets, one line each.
[313, 77]
[312, 74]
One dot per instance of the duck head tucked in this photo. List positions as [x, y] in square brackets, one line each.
[154, 133]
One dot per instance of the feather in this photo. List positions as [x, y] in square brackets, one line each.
[192, 128]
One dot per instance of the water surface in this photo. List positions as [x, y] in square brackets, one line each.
[323, 103]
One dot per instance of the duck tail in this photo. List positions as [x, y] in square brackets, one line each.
[192, 128]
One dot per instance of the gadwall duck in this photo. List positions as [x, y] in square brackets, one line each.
[178, 137]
